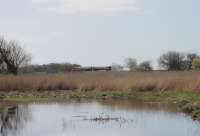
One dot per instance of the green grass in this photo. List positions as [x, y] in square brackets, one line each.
[152, 96]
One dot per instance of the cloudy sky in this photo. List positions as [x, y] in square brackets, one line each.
[101, 32]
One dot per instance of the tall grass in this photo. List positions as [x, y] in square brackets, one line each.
[103, 81]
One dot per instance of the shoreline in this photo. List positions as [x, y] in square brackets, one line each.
[186, 101]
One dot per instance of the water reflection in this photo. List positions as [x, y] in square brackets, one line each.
[12, 119]
[96, 118]
[140, 106]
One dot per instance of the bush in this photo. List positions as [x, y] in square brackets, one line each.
[196, 64]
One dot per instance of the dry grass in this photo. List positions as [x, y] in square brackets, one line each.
[106, 81]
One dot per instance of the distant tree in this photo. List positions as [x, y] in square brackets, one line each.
[189, 60]
[3, 67]
[196, 64]
[145, 66]
[131, 64]
[13, 55]
[49, 68]
[117, 67]
[172, 61]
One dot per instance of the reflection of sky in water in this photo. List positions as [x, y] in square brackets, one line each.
[67, 119]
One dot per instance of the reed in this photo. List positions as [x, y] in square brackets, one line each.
[103, 81]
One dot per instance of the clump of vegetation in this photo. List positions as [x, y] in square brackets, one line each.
[105, 119]
[101, 118]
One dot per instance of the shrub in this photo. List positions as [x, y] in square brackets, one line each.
[196, 64]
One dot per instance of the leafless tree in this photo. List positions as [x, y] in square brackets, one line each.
[117, 67]
[145, 66]
[13, 55]
[131, 64]
[172, 60]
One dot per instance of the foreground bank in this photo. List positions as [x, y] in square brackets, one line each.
[187, 101]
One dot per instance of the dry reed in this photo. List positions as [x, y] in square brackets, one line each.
[103, 81]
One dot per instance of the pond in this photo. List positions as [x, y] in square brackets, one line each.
[95, 118]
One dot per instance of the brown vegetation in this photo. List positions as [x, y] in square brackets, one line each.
[104, 81]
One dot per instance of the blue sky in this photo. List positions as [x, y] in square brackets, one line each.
[101, 32]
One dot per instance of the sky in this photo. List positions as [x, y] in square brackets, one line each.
[101, 32]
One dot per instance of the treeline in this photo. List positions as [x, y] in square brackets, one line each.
[179, 61]
[14, 59]
[133, 65]
[49, 68]
[171, 61]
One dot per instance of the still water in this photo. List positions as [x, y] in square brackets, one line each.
[95, 118]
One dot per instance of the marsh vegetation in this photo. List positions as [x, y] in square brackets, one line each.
[103, 81]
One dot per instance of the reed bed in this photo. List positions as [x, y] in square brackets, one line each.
[103, 81]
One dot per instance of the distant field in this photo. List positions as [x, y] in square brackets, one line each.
[103, 81]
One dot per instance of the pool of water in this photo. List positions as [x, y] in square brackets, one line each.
[95, 118]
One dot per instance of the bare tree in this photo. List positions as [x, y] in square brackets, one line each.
[3, 67]
[13, 55]
[117, 67]
[145, 66]
[172, 61]
[131, 64]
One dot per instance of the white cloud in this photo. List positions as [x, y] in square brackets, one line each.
[73, 6]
